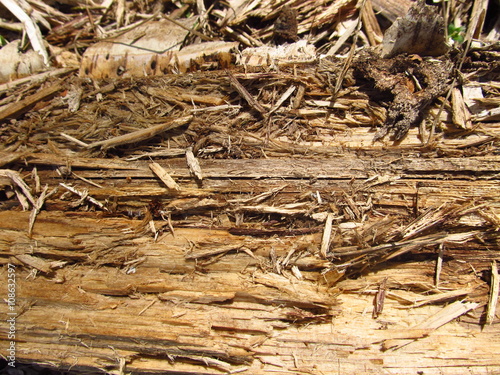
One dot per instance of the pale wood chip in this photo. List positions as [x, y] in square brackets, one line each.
[193, 164]
[327, 232]
[16, 178]
[35, 262]
[164, 176]
[493, 298]
[433, 322]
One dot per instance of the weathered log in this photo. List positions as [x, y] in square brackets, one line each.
[228, 272]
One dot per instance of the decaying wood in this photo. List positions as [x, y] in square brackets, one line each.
[245, 220]
[141, 135]
[24, 105]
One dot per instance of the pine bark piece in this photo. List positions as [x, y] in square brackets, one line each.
[411, 94]
[421, 31]
[285, 27]
[153, 49]
[246, 95]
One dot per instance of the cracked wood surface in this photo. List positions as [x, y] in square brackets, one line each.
[228, 272]
[204, 300]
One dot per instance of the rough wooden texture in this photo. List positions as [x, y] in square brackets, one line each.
[227, 272]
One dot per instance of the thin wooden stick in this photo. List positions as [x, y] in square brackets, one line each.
[282, 99]
[141, 135]
[246, 95]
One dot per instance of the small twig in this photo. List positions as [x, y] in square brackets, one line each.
[224, 107]
[298, 98]
[438, 115]
[147, 307]
[350, 56]
[74, 140]
[378, 303]
[35, 78]
[87, 180]
[169, 223]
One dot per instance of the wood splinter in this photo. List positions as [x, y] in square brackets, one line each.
[84, 196]
[493, 299]
[246, 95]
[378, 303]
[193, 164]
[163, 175]
[327, 233]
